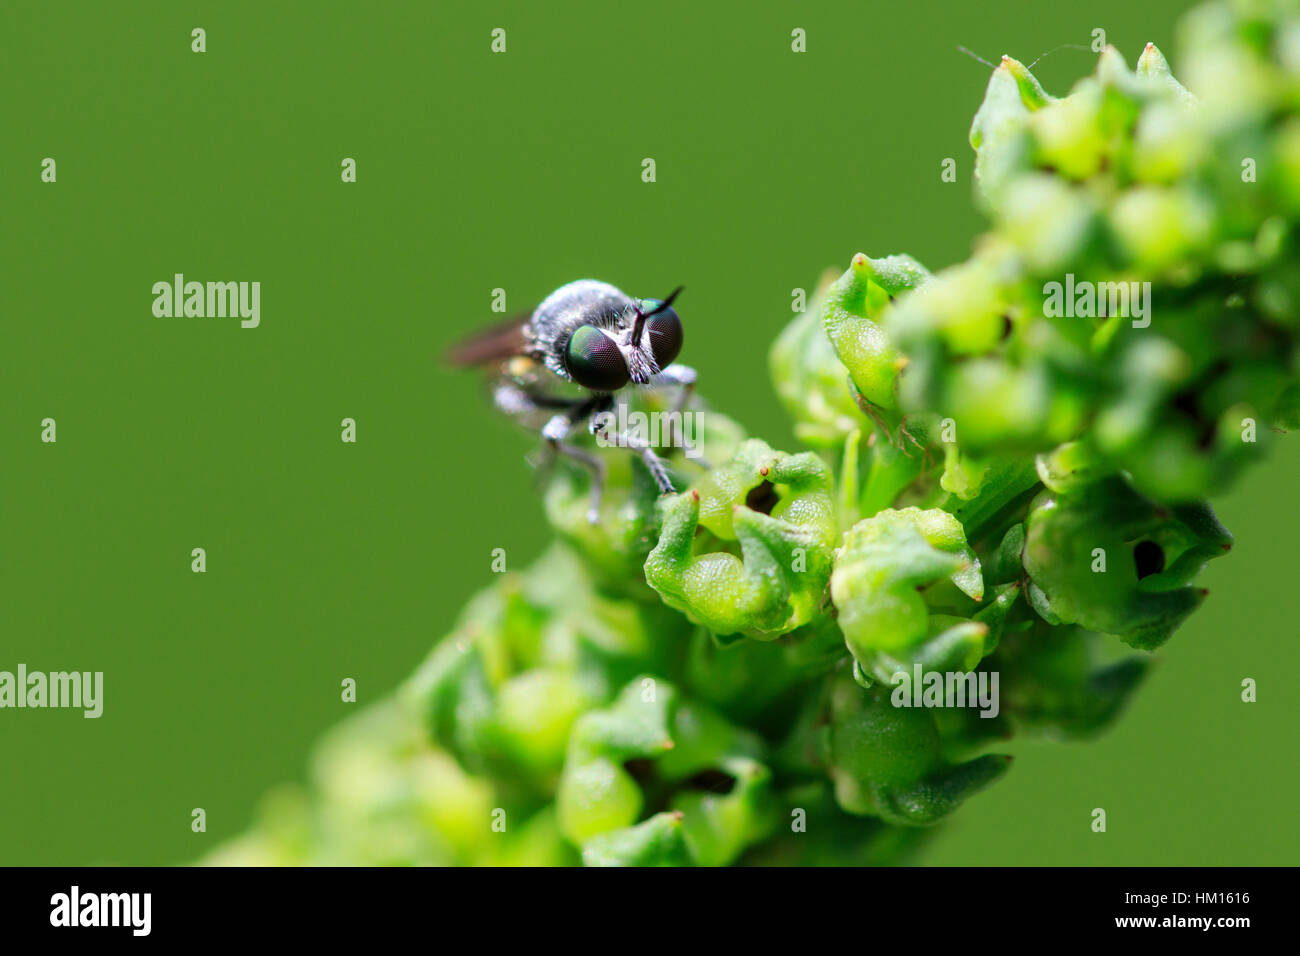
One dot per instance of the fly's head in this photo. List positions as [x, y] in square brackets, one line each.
[633, 349]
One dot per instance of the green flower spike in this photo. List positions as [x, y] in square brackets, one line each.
[889, 565]
[778, 509]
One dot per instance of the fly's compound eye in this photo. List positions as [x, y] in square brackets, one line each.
[663, 335]
[594, 361]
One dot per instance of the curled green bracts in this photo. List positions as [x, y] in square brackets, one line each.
[886, 564]
[776, 509]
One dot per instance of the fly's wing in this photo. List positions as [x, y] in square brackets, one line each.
[493, 344]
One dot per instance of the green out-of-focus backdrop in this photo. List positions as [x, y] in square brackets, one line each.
[477, 171]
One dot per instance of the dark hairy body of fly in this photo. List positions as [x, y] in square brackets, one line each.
[584, 302]
[568, 364]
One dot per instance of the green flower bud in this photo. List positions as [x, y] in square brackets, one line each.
[719, 826]
[888, 761]
[1236, 87]
[1053, 681]
[595, 797]
[851, 318]
[963, 307]
[1031, 91]
[1157, 227]
[761, 684]
[687, 756]
[876, 585]
[1051, 221]
[1153, 66]
[1106, 558]
[532, 716]
[384, 797]
[659, 841]
[1069, 136]
[596, 793]
[1167, 144]
[778, 509]
[531, 654]
[999, 132]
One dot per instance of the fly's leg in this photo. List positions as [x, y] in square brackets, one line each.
[658, 470]
[683, 376]
[874, 414]
[555, 431]
[904, 433]
[520, 403]
[600, 427]
[597, 466]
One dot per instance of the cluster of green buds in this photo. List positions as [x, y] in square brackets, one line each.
[807, 658]
[1140, 286]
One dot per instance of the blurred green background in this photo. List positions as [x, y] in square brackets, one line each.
[476, 171]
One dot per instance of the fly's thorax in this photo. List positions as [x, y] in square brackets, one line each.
[584, 302]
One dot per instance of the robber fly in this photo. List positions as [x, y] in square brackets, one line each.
[563, 367]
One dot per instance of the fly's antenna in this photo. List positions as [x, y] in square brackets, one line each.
[642, 316]
[1063, 46]
[976, 56]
